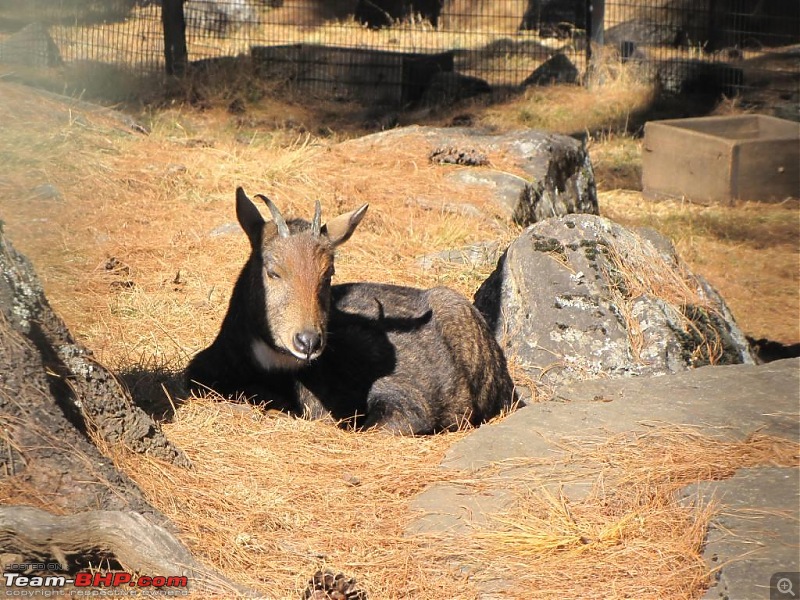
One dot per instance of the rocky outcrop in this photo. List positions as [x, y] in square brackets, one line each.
[447, 87]
[581, 297]
[642, 32]
[553, 174]
[534, 448]
[689, 76]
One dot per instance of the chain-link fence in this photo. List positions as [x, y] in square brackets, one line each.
[408, 51]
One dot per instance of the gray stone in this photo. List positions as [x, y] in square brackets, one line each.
[728, 403]
[450, 507]
[756, 533]
[641, 32]
[479, 255]
[457, 208]
[788, 112]
[507, 189]
[447, 87]
[789, 109]
[46, 191]
[228, 228]
[555, 173]
[556, 69]
[689, 76]
[579, 297]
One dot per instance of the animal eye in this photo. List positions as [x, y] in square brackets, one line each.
[272, 274]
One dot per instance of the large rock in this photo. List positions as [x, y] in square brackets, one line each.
[557, 69]
[553, 174]
[216, 16]
[446, 87]
[580, 297]
[31, 46]
[724, 403]
[642, 32]
[698, 77]
[550, 448]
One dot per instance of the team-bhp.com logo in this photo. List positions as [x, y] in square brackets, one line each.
[86, 583]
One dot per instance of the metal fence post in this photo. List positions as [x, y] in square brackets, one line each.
[595, 31]
[174, 23]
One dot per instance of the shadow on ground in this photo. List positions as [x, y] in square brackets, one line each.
[158, 391]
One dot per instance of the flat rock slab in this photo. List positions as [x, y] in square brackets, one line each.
[481, 255]
[755, 539]
[727, 403]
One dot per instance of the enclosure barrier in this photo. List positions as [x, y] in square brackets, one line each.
[407, 52]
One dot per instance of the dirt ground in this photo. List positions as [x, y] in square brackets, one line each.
[133, 235]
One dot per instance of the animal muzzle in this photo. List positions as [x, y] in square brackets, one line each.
[307, 344]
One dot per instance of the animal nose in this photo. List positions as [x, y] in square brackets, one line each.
[307, 342]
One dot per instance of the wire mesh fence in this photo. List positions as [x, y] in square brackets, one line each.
[402, 51]
[729, 46]
[44, 33]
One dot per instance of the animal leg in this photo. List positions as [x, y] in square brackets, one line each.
[400, 410]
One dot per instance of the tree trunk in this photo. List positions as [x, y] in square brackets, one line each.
[176, 55]
[134, 542]
[54, 398]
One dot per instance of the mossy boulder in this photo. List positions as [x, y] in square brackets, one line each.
[579, 297]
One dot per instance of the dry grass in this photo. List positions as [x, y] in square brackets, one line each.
[646, 548]
[636, 268]
[273, 499]
[575, 110]
[628, 538]
[150, 205]
[749, 252]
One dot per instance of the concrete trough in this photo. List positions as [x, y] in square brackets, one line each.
[719, 160]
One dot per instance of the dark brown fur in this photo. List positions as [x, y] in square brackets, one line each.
[408, 360]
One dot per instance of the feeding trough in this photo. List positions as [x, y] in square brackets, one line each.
[718, 160]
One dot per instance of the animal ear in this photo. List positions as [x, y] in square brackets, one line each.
[339, 229]
[249, 218]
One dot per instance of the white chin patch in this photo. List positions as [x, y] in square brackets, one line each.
[270, 359]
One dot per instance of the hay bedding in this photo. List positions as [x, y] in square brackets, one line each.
[274, 499]
[275, 502]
